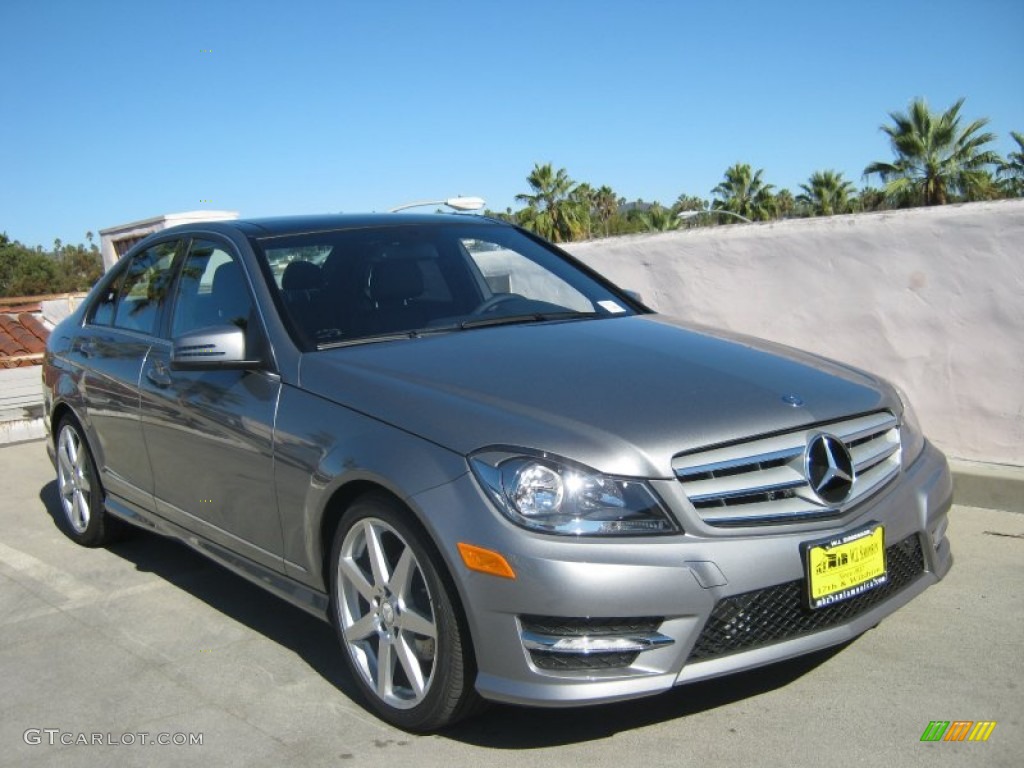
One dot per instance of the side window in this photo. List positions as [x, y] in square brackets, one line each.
[103, 308]
[211, 291]
[144, 289]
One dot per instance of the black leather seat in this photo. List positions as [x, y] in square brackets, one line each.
[392, 287]
[302, 276]
[302, 288]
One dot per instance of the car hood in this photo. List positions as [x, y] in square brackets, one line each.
[622, 395]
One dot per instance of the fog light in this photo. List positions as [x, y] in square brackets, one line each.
[586, 644]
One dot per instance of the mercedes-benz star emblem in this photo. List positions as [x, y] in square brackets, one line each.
[829, 468]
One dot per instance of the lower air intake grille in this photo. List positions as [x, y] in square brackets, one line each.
[568, 661]
[774, 614]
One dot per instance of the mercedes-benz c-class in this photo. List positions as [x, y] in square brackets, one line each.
[499, 476]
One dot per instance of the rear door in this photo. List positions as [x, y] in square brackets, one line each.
[210, 433]
[110, 350]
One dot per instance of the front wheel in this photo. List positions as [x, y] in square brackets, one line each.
[393, 609]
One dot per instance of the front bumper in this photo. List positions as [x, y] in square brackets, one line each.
[727, 602]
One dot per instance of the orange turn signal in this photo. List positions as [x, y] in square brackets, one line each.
[485, 561]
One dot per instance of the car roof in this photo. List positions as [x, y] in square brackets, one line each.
[293, 225]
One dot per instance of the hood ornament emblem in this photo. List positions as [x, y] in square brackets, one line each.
[829, 469]
[793, 399]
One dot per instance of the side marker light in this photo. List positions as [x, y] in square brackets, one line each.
[485, 561]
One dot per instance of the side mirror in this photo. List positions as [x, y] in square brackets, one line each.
[213, 348]
[634, 296]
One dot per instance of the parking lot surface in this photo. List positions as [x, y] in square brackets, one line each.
[147, 641]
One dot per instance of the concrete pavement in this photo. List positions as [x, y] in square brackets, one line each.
[148, 637]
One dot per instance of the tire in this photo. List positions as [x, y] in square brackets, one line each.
[84, 519]
[398, 622]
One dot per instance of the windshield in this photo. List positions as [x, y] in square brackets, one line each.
[348, 286]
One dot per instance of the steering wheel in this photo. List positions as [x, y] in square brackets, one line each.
[489, 305]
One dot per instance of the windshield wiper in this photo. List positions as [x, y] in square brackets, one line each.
[383, 337]
[532, 317]
[480, 322]
[366, 340]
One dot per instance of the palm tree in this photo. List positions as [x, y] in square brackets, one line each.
[869, 199]
[1011, 170]
[584, 196]
[785, 204]
[550, 211]
[658, 218]
[826, 193]
[935, 158]
[744, 192]
[606, 206]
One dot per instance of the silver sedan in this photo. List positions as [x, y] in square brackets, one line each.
[498, 475]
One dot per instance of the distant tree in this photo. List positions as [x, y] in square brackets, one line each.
[28, 271]
[745, 193]
[25, 272]
[1011, 169]
[78, 268]
[606, 206]
[990, 187]
[632, 217]
[785, 204]
[826, 193]
[584, 197]
[869, 199]
[506, 215]
[657, 218]
[936, 160]
[550, 211]
[687, 202]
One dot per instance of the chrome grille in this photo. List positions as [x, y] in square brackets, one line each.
[763, 481]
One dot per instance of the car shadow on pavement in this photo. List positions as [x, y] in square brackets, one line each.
[500, 726]
[508, 727]
[312, 640]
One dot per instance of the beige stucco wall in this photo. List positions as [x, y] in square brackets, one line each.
[932, 299]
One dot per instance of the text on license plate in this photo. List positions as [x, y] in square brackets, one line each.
[846, 566]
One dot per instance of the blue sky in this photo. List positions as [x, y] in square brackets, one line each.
[112, 111]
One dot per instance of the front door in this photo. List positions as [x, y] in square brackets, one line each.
[210, 433]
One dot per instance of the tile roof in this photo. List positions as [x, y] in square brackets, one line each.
[22, 340]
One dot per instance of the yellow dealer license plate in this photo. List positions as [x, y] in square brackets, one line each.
[845, 566]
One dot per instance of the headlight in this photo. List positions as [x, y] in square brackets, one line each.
[552, 495]
[911, 436]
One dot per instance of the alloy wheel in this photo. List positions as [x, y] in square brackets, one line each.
[73, 474]
[386, 614]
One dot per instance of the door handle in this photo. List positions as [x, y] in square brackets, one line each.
[158, 375]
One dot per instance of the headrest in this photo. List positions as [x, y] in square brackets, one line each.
[227, 278]
[229, 294]
[302, 276]
[395, 280]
